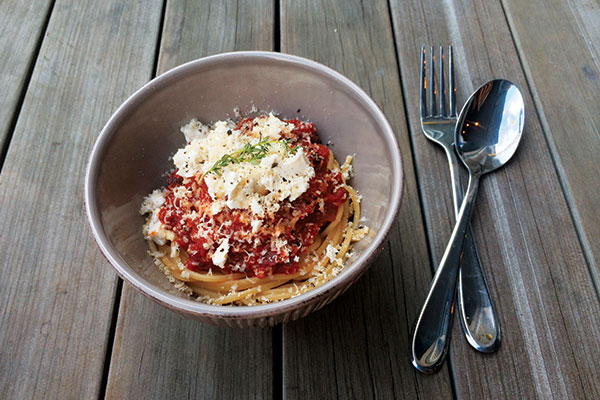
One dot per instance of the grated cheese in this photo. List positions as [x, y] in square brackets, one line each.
[153, 228]
[331, 252]
[220, 255]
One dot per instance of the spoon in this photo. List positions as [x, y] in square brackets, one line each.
[487, 135]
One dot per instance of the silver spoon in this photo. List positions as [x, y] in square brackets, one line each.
[487, 135]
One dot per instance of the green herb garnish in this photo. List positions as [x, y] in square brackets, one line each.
[251, 153]
[291, 150]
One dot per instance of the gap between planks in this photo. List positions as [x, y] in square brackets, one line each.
[277, 331]
[421, 196]
[17, 111]
[554, 153]
[119, 288]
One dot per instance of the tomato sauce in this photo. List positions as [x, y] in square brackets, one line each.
[281, 238]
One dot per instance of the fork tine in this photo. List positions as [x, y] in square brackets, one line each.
[452, 87]
[432, 99]
[442, 86]
[423, 84]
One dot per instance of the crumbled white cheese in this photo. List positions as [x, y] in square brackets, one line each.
[269, 126]
[194, 130]
[256, 224]
[220, 255]
[153, 228]
[181, 192]
[347, 168]
[153, 201]
[258, 187]
[174, 250]
[280, 244]
[216, 207]
[331, 252]
[156, 253]
[289, 178]
[360, 233]
[202, 152]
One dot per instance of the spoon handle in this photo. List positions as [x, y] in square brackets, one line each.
[431, 335]
[476, 311]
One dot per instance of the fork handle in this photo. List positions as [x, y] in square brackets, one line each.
[476, 311]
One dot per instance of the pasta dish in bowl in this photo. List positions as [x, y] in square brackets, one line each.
[276, 198]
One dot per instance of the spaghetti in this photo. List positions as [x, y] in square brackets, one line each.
[254, 213]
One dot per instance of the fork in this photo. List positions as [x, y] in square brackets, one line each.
[476, 311]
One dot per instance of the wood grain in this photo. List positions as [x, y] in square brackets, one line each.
[528, 242]
[21, 25]
[562, 65]
[159, 354]
[57, 291]
[357, 347]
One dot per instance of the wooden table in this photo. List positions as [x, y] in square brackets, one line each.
[69, 328]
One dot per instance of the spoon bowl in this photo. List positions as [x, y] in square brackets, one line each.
[488, 132]
[489, 126]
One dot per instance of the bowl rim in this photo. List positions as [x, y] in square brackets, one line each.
[199, 309]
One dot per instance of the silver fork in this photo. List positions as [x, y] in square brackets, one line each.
[477, 314]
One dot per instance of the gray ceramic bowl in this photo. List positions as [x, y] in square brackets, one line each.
[131, 156]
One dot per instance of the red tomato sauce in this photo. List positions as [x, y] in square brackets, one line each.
[281, 238]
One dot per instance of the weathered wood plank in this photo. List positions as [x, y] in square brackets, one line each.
[57, 291]
[21, 25]
[561, 58]
[359, 344]
[528, 243]
[159, 354]
[195, 30]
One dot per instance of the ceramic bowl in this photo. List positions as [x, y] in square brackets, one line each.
[132, 156]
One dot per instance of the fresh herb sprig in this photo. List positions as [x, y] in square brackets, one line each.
[286, 143]
[251, 153]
